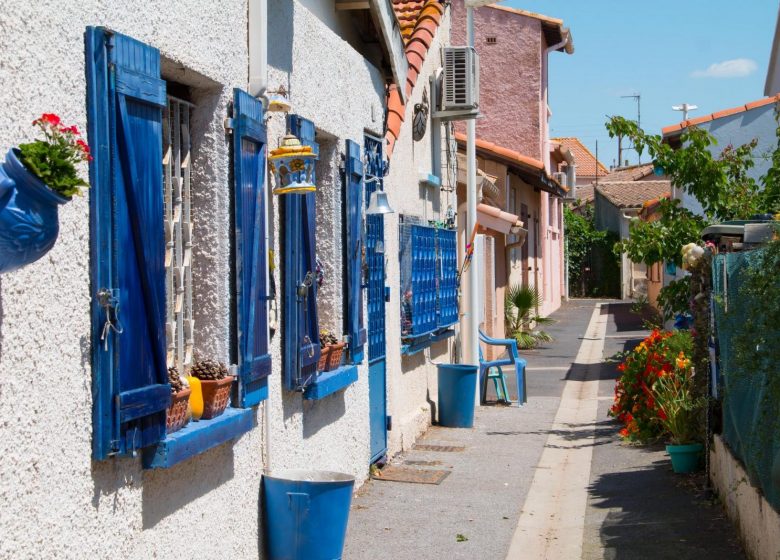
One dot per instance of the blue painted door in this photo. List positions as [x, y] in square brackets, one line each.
[375, 261]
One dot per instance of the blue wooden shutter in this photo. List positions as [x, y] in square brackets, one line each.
[249, 142]
[354, 249]
[301, 325]
[130, 382]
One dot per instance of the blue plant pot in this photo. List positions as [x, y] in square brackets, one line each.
[29, 224]
[685, 458]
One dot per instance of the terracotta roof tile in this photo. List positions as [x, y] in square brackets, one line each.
[633, 173]
[418, 20]
[724, 113]
[585, 193]
[633, 194]
[698, 120]
[506, 153]
[587, 165]
[510, 156]
[674, 129]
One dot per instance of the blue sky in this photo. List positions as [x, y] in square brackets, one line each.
[662, 49]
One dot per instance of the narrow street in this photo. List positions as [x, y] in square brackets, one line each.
[550, 479]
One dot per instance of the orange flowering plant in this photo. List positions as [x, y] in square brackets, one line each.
[662, 354]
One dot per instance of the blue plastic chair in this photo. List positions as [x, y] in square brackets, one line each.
[492, 369]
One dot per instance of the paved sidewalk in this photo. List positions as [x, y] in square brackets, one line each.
[636, 508]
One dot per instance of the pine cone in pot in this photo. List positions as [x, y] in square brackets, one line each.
[209, 370]
[175, 381]
[327, 338]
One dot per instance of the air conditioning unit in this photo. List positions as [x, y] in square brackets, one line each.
[460, 89]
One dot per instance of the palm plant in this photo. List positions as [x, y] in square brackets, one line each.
[520, 306]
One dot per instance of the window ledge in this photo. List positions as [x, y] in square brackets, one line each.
[329, 382]
[429, 180]
[420, 343]
[197, 437]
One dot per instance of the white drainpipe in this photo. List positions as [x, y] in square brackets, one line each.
[257, 14]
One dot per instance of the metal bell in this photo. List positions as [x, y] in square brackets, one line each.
[378, 204]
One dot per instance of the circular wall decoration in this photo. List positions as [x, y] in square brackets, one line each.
[420, 119]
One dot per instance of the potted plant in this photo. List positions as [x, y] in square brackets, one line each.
[635, 406]
[215, 386]
[330, 351]
[35, 179]
[520, 305]
[679, 412]
[178, 413]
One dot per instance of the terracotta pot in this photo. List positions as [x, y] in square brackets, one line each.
[330, 356]
[216, 394]
[177, 414]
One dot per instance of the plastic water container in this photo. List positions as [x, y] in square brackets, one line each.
[457, 391]
[306, 514]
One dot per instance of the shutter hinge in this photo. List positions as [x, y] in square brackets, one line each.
[389, 423]
[228, 124]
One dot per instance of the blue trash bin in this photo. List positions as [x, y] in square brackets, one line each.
[457, 391]
[306, 514]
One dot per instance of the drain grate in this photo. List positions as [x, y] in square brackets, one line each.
[423, 463]
[394, 473]
[440, 448]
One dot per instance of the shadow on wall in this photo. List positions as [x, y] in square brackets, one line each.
[318, 414]
[166, 491]
[280, 35]
[163, 491]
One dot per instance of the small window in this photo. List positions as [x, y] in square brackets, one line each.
[490, 40]
[178, 231]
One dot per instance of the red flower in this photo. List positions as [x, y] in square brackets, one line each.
[48, 118]
[83, 145]
[70, 129]
[623, 432]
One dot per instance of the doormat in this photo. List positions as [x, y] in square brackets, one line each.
[395, 473]
[442, 448]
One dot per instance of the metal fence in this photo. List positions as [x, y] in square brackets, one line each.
[749, 353]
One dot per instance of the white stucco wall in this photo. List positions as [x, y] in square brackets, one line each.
[331, 84]
[411, 380]
[54, 500]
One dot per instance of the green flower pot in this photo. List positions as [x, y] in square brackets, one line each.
[685, 458]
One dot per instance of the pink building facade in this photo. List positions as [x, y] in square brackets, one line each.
[513, 47]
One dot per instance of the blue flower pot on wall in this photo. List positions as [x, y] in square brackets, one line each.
[29, 224]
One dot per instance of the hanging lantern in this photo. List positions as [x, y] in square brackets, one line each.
[278, 103]
[292, 166]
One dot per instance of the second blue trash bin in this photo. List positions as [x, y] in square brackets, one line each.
[457, 392]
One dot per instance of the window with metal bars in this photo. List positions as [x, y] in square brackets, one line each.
[180, 326]
[429, 290]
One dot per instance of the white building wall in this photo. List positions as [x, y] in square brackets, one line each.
[332, 85]
[55, 502]
[411, 380]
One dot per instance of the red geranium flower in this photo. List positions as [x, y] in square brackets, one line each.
[48, 118]
[70, 129]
